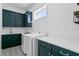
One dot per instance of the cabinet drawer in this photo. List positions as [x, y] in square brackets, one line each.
[62, 52]
[44, 44]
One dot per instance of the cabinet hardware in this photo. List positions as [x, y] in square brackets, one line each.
[49, 54]
[64, 53]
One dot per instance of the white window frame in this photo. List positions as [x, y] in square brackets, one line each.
[35, 17]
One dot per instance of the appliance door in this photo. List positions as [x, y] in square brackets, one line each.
[35, 47]
[23, 42]
[27, 45]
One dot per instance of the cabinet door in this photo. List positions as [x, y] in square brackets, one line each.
[12, 20]
[19, 18]
[11, 40]
[28, 19]
[42, 51]
[8, 18]
[44, 44]
[5, 41]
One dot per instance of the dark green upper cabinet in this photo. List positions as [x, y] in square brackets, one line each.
[19, 20]
[8, 18]
[28, 19]
[12, 19]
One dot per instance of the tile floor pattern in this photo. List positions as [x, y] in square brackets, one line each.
[13, 51]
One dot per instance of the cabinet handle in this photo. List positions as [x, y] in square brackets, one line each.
[49, 54]
[64, 53]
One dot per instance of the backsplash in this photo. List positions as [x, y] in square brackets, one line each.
[15, 30]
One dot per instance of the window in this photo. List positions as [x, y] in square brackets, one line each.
[41, 12]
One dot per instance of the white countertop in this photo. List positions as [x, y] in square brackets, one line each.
[9, 33]
[70, 43]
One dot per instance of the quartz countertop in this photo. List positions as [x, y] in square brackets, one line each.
[9, 33]
[70, 43]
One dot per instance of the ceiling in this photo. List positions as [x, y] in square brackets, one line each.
[20, 5]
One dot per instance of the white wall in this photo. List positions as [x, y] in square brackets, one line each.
[12, 8]
[0, 25]
[14, 29]
[36, 24]
[59, 21]
[35, 6]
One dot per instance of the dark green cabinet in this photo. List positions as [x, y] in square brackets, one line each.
[58, 51]
[19, 18]
[8, 18]
[11, 40]
[46, 49]
[28, 19]
[12, 19]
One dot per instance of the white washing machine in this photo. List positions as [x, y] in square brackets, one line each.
[30, 44]
[27, 45]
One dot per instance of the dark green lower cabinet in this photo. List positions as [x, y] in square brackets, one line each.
[59, 51]
[11, 40]
[46, 49]
[55, 54]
